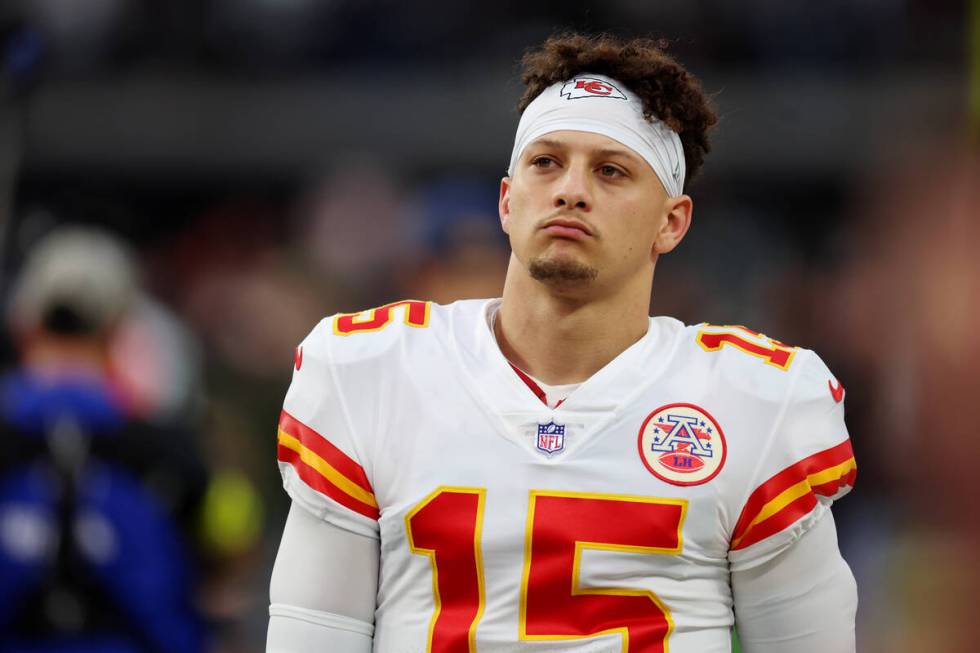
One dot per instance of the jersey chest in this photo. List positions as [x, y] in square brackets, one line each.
[687, 437]
[607, 524]
[541, 502]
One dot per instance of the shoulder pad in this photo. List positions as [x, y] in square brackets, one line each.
[368, 334]
[759, 364]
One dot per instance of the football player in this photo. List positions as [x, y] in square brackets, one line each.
[555, 470]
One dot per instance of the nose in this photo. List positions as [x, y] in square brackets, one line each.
[572, 190]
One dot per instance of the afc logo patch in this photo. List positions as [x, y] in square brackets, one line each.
[581, 87]
[551, 437]
[682, 444]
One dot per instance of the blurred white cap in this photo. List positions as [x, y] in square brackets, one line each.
[75, 280]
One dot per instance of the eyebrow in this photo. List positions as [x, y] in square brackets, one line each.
[604, 152]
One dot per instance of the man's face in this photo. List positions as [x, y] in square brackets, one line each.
[583, 210]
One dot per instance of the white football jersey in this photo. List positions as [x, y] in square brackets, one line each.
[608, 524]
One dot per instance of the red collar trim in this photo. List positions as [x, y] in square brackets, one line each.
[535, 388]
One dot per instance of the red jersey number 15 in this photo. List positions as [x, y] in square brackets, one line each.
[554, 605]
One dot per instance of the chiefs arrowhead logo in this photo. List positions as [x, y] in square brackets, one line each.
[299, 357]
[836, 392]
[582, 87]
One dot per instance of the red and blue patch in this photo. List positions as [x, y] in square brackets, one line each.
[551, 438]
[682, 444]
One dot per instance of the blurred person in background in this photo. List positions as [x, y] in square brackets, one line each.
[99, 509]
[474, 476]
[464, 254]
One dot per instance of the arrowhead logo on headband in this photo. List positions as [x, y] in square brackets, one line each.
[581, 87]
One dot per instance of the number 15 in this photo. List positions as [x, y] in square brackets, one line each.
[446, 526]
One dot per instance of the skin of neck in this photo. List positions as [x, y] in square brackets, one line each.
[562, 335]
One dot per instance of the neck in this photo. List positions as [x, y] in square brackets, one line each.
[560, 336]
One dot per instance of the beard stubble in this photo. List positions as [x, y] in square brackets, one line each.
[561, 271]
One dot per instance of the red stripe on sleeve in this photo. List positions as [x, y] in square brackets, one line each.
[323, 448]
[788, 478]
[318, 482]
[779, 521]
[831, 488]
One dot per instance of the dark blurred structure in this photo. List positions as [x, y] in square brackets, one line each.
[275, 161]
[98, 508]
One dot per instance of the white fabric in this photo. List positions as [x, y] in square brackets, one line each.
[555, 394]
[440, 425]
[343, 564]
[299, 630]
[812, 420]
[803, 600]
[601, 105]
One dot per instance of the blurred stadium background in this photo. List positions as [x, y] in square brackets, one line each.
[269, 162]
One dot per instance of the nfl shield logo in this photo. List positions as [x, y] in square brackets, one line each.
[551, 437]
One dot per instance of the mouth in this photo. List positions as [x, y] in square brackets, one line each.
[567, 228]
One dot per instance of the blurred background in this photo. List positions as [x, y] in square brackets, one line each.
[186, 187]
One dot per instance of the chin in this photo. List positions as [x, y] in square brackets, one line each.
[562, 270]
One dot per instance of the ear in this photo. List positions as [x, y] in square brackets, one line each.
[678, 212]
[503, 204]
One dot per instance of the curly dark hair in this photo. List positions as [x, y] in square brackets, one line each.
[668, 91]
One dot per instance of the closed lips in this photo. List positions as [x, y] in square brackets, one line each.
[564, 224]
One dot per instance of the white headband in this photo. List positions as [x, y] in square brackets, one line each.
[598, 104]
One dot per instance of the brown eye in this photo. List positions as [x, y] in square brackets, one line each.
[610, 171]
[543, 162]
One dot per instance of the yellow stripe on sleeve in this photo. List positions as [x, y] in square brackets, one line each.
[794, 492]
[327, 470]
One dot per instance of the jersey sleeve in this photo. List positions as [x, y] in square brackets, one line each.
[808, 463]
[321, 458]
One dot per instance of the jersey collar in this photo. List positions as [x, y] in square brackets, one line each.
[596, 402]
